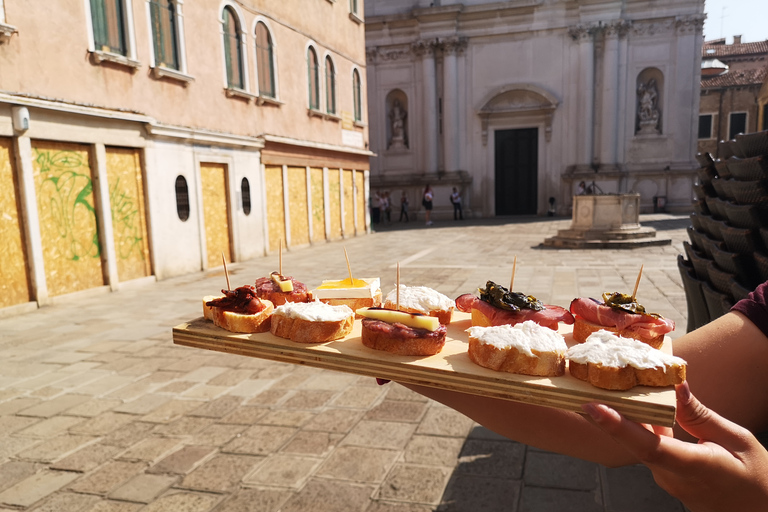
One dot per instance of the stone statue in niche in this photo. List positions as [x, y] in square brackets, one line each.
[648, 113]
[397, 116]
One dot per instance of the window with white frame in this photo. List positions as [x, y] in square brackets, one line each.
[313, 76]
[357, 95]
[705, 126]
[233, 49]
[265, 61]
[109, 25]
[165, 33]
[737, 123]
[330, 86]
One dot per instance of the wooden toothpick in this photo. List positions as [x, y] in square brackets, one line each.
[280, 258]
[512, 281]
[349, 269]
[637, 283]
[397, 295]
[226, 272]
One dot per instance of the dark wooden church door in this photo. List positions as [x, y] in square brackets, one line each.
[516, 169]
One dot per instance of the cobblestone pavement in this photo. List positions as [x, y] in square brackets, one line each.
[100, 412]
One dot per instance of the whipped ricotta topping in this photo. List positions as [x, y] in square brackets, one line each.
[526, 337]
[314, 311]
[603, 347]
[370, 289]
[419, 298]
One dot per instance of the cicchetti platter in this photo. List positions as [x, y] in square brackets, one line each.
[450, 369]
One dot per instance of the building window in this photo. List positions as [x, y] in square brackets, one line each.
[353, 7]
[265, 61]
[357, 96]
[737, 124]
[330, 86]
[165, 35]
[182, 198]
[705, 126]
[314, 79]
[245, 193]
[109, 26]
[233, 54]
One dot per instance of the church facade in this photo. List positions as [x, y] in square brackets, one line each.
[516, 103]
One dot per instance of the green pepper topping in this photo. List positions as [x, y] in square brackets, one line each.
[497, 295]
[627, 303]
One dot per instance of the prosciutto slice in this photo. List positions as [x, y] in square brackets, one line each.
[597, 312]
[549, 317]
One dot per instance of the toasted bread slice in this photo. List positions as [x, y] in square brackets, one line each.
[312, 322]
[402, 340]
[608, 361]
[583, 328]
[526, 348]
[356, 303]
[207, 311]
[238, 322]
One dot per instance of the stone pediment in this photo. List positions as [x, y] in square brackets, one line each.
[518, 99]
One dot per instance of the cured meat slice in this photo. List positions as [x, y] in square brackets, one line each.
[549, 317]
[597, 312]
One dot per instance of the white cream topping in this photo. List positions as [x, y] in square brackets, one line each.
[314, 311]
[525, 337]
[368, 291]
[420, 298]
[608, 349]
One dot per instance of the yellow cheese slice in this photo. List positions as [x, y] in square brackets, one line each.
[391, 316]
[344, 283]
[285, 285]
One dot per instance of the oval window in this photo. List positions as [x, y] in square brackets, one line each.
[182, 198]
[245, 193]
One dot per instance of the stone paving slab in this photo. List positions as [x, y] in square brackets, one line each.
[100, 412]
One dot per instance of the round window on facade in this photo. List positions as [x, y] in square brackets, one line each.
[245, 192]
[182, 198]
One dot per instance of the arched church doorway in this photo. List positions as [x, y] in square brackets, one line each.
[516, 171]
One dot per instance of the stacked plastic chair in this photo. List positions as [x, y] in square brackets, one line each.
[727, 256]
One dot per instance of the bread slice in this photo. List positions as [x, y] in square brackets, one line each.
[312, 322]
[608, 361]
[356, 303]
[423, 300]
[525, 348]
[379, 335]
[238, 322]
[583, 328]
[207, 311]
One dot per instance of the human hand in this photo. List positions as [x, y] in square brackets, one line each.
[726, 470]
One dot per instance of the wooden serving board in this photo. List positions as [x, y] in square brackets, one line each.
[450, 369]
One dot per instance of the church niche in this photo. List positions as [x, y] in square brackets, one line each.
[649, 90]
[397, 120]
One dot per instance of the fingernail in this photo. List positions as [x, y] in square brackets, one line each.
[593, 410]
[684, 392]
[381, 382]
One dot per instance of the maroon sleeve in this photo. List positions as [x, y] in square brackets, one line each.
[755, 307]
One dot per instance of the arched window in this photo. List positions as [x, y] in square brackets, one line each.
[245, 193]
[182, 198]
[165, 37]
[265, 61]
[330, 86]
[357, 98]
[233, 50]
[314, 79]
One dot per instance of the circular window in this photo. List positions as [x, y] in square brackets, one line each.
[182, 198]
[245, 193]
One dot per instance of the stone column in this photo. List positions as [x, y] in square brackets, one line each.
[451, 103]
[583, 35]
[426, 50]
[609, 97]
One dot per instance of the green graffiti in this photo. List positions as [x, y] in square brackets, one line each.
[126, 223]
[69, 194]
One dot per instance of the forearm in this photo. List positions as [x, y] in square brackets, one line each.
[543, 427]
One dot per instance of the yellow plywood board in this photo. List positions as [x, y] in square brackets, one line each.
[213, 177]
[273, 177]
[334, 200]
[349, 204]
[450, 369]
[68, 226]
[318, 205]
[360, 191]
[297, 205]
[14, 279]
[129, 224]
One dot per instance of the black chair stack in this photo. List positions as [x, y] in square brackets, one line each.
[727, 256]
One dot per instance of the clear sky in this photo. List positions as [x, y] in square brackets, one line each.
[726, 18]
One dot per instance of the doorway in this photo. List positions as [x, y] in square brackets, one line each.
[516, 171]
[215, 212]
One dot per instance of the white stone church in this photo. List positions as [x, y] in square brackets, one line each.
[516, 103]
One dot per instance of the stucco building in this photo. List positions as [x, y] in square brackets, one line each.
[516, 102]
[732, 76]
[141, 139]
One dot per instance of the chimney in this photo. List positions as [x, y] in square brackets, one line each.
[737, 39]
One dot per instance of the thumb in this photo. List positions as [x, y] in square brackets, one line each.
[705, 424]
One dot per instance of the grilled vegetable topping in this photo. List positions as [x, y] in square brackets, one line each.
[624, 302]
[496, 295]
